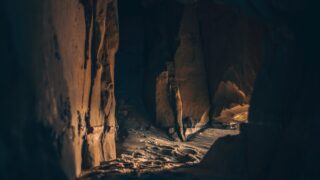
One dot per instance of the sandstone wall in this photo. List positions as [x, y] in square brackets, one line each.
[70, 48]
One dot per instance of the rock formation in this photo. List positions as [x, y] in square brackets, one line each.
[192, 61]
[179, 35]
[101, 46]
[70, 47]
[190, 69]
[169, 109]
[279, 138]
[186, 74]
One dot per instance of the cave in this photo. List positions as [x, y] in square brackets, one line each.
[155, 89]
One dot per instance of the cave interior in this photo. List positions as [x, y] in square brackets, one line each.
[154, 89]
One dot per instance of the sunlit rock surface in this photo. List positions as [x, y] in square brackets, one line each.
[70, 67]
[236, 114]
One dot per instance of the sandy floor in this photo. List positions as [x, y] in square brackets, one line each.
[152, 151]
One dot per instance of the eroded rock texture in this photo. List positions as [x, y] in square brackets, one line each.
[190, 68]
[88, 103]
[66, 49]
[178, 44]
[169, 108]
[101, 46]
[58, 80]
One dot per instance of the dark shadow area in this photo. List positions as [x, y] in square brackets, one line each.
[26, 149]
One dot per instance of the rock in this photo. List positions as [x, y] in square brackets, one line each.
[190, 74]
[91, 149]
[228, 94]
[101, 46]
[190, 68]
[164, 112]
[237, 114]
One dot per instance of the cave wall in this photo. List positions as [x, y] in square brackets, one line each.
[279, 142]
[47, 112]
[190, 68]
[187, 67]
[233, 46]
[161, 28]
[26, 149]
[283, 120]
[66, 51]
[212, 53]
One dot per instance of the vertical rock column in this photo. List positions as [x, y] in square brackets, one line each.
[190, 69]
[185, 76]
[101, 46]
[108, 97]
